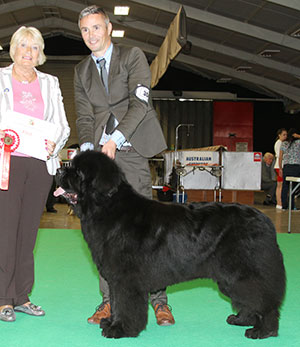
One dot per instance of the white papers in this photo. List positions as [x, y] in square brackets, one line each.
[32, 133]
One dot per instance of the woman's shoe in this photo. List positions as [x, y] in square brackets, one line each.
[279, 207]
[30, 309]
[7, 314]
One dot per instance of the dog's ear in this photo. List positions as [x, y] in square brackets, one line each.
[99, 176]
[106, 181]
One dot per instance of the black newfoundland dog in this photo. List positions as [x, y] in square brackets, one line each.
[140, 245]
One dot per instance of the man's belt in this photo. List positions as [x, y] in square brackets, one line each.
[128, 149]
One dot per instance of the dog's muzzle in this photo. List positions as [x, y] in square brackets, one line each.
[70, 197]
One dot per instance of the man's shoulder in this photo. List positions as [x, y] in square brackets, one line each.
[126, 50]
[83, 63]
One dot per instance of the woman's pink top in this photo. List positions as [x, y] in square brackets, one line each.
[28, 100]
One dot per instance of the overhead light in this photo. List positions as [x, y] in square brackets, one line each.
[121, 10]
[243, 68]
[296, 33]
[1, 48]
[224, 79]
[118, 33]
[268, 53]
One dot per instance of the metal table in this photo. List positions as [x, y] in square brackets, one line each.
[291, 192]
[214, 170]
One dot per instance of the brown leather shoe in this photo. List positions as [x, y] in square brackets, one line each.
[163, 315]
[102, 311]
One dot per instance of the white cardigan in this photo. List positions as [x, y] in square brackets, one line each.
[54, 111]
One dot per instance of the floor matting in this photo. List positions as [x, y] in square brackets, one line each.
[66, 285]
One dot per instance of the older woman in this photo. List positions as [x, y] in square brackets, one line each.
[28, 91]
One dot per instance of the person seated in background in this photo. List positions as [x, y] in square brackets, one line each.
[268, 179]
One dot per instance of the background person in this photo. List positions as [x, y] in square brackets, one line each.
[281, 137]
[289, 164]
[29, 91]
[268, 179]
[115, 115]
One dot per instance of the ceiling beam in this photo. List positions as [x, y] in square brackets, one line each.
[211, 46]
[293, 4]
[53, 22]
[225, 23]
[16, 5]
[22, 4]
[214, 47]
[58, 23]
[291, 92]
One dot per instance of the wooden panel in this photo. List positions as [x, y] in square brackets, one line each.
[241, 196]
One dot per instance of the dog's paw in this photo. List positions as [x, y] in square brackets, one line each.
[258, 333]
[113, 331]
[238, 320]
[232, 319]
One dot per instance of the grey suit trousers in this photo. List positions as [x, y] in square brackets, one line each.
[137, 172]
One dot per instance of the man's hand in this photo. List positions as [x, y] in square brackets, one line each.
[110, 149]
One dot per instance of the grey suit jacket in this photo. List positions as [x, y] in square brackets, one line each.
[137, 119]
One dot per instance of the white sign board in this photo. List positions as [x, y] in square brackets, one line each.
[242, 170]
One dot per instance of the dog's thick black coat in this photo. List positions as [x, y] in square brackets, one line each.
[140, 245]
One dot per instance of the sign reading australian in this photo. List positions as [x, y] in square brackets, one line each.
[193, 158]
[198, 160]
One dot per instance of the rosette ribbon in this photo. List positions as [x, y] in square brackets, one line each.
[9, 143]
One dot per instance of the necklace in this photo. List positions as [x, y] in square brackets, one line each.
[23, 78]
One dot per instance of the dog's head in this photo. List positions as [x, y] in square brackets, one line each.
[92, 176]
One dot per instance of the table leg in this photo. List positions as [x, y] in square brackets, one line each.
[290, 207]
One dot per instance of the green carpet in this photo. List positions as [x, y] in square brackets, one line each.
[66, 286]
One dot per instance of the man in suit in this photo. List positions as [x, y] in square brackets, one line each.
[115, 115]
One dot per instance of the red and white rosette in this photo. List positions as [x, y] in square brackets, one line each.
[9, 143]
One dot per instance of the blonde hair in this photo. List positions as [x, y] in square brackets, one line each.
[23, 33]
[268, 155]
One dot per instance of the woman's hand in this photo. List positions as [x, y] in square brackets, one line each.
[2, 134]
[50, 146]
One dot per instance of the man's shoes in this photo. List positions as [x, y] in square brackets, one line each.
[267, 203]
[30, 309]
[7, 313]
[102, 311]
[163, 315]
[51, 210]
